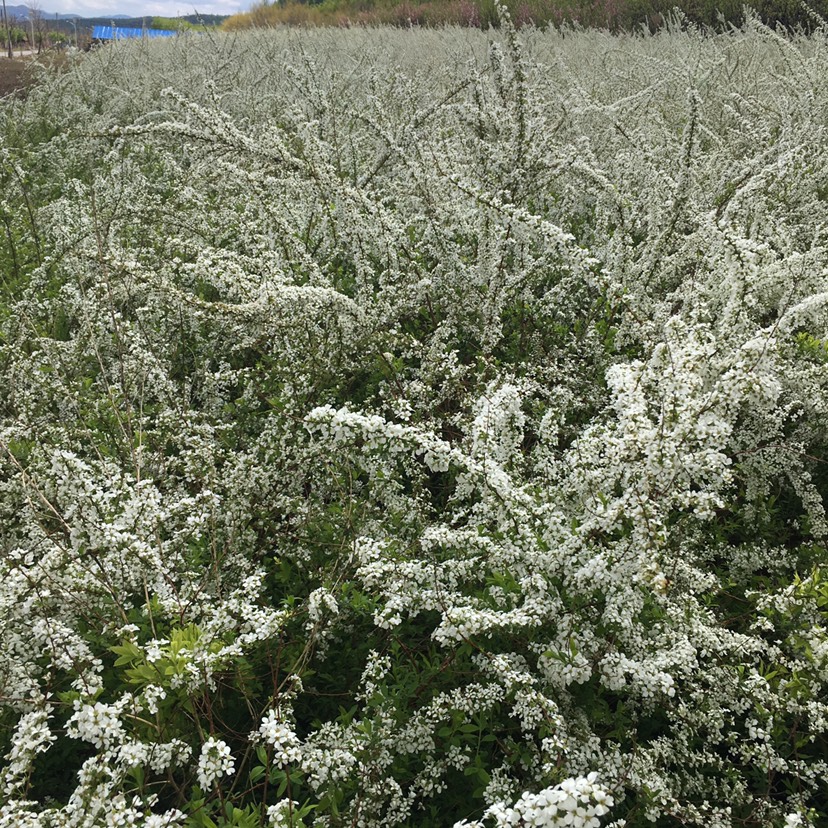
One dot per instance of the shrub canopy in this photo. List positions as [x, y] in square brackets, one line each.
[408, 427]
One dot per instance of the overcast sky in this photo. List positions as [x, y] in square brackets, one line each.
[138, 8]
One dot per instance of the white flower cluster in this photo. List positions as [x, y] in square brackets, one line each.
[577, 802]
[97, 723]
[277, 733]
[31, 737]
[157, 756]
[281, 815]
[214, 762]
[320, 601]
[617, 671]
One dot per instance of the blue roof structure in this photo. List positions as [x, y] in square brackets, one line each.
[125, 33]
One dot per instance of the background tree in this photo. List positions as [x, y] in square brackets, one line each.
[37, 26]
[17, 33]
[6, 25]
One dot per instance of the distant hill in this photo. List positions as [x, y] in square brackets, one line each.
[17, 12]
[20, 12]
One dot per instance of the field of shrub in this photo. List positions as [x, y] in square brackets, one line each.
[417, 428]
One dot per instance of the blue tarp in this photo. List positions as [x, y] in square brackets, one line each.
[124, 33]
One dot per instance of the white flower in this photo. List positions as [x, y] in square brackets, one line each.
[577, 802]
[214, 762]
[97, 723]
[31, 737]
[280, 814]
[165, 820]
[286, 745]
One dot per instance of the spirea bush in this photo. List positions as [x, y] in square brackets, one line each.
[416, 428]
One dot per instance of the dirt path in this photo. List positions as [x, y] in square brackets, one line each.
[12, 75]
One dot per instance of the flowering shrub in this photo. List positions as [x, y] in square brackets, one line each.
[577, 802]
[416, 428]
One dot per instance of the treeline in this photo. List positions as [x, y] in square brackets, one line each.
[615, 15]
[36, 34]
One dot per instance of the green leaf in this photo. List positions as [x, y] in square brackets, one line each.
[282, 787]
[127, 653]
